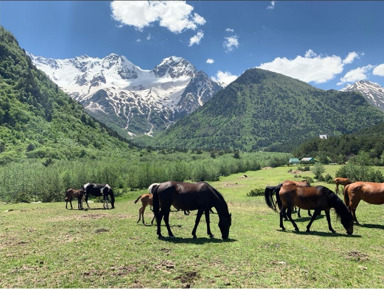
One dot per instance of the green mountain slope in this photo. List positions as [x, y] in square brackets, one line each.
[37, 120]
[263, 108]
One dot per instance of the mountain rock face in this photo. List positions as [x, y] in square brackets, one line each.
[373, 92]
[263, 109]
[127, 98]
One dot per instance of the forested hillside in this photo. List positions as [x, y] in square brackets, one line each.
[263, 108]
[37, 120]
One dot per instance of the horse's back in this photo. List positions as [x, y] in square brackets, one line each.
[186, 196]
[304, 197]
[370, 192]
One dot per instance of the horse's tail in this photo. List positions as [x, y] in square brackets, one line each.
[112, 195]
[138, 199]
[268, 193]
[156, 204]
[346, 195]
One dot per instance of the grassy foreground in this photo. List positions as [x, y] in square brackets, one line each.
[45, 245]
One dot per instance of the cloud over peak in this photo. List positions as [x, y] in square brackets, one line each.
[310, 68]
[176, 16]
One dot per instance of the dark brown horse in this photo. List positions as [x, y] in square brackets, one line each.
[190, 196]
[318, 198]
[71, 194]
[372, 193]
[341, 181]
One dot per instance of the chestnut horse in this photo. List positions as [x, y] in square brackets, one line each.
[341, 181]
[271, 190]
[318, 198]
[146, 200]
[372, 193]
[190, 196]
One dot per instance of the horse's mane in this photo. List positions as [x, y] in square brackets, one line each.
[220, 196]
[339, 206]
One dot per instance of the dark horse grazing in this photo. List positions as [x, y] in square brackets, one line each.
[99, 190]
[372, 193]
[318, 198]
[190, 196]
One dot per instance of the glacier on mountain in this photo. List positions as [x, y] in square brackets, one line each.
[127, 98]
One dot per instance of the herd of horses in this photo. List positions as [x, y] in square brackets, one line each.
[202, 197]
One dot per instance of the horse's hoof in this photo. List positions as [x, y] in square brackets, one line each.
[211, 236]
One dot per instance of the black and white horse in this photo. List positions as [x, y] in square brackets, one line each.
[99, 190]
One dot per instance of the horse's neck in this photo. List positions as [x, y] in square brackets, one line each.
[220, 206]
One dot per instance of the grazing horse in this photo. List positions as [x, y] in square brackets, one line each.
[190, 196]
[71, 194]
[146, 199]
[341, 181]
[98, 190]
[274, 190]
[372, 193]
[303, 183]
[318, 198]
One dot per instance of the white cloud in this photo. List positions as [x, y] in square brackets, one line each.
[210, 61]
[271, 6]
[229, 30]
[351, 57]
[379, 70]
[231, 42]
[310, 68]
[357, 74]
[224, 78]
[196, 39]
[176, 16]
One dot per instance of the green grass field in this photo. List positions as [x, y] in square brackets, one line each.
[45, 245]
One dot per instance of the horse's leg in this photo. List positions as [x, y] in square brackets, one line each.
[315, 214]
[309, 213]
[197, 221]
[298, 213]
[289, 214]
[166, 220]
[142, 214]
[282, 215]
[208, 224]
[139, 215]
[70, 202]
[337, 189]
[329, 221]
[353, 203]
[86, 201]
[159, 216]
[153, 219]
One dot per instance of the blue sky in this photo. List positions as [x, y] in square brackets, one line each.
[325, 43]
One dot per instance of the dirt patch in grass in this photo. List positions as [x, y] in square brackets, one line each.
[357, 256]
[187, 278]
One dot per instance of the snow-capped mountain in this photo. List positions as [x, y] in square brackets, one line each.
[126, 97]
[373, 92]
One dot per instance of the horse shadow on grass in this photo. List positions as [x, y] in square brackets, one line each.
[196, 241]
[371, 226]
[323, 234]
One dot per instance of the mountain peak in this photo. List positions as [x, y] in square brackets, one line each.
[174, 67]
[372, 92]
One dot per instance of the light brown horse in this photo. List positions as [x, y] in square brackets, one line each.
[318, 198]
[146, 200]
[303, 183]
[372, 193]
[341, 181]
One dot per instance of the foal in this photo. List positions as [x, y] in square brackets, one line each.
[146, 199]
[71, 194]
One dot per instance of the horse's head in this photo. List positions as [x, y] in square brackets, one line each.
[224, 224]
[347, 222]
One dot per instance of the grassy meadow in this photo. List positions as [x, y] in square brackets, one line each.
[45, 245]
